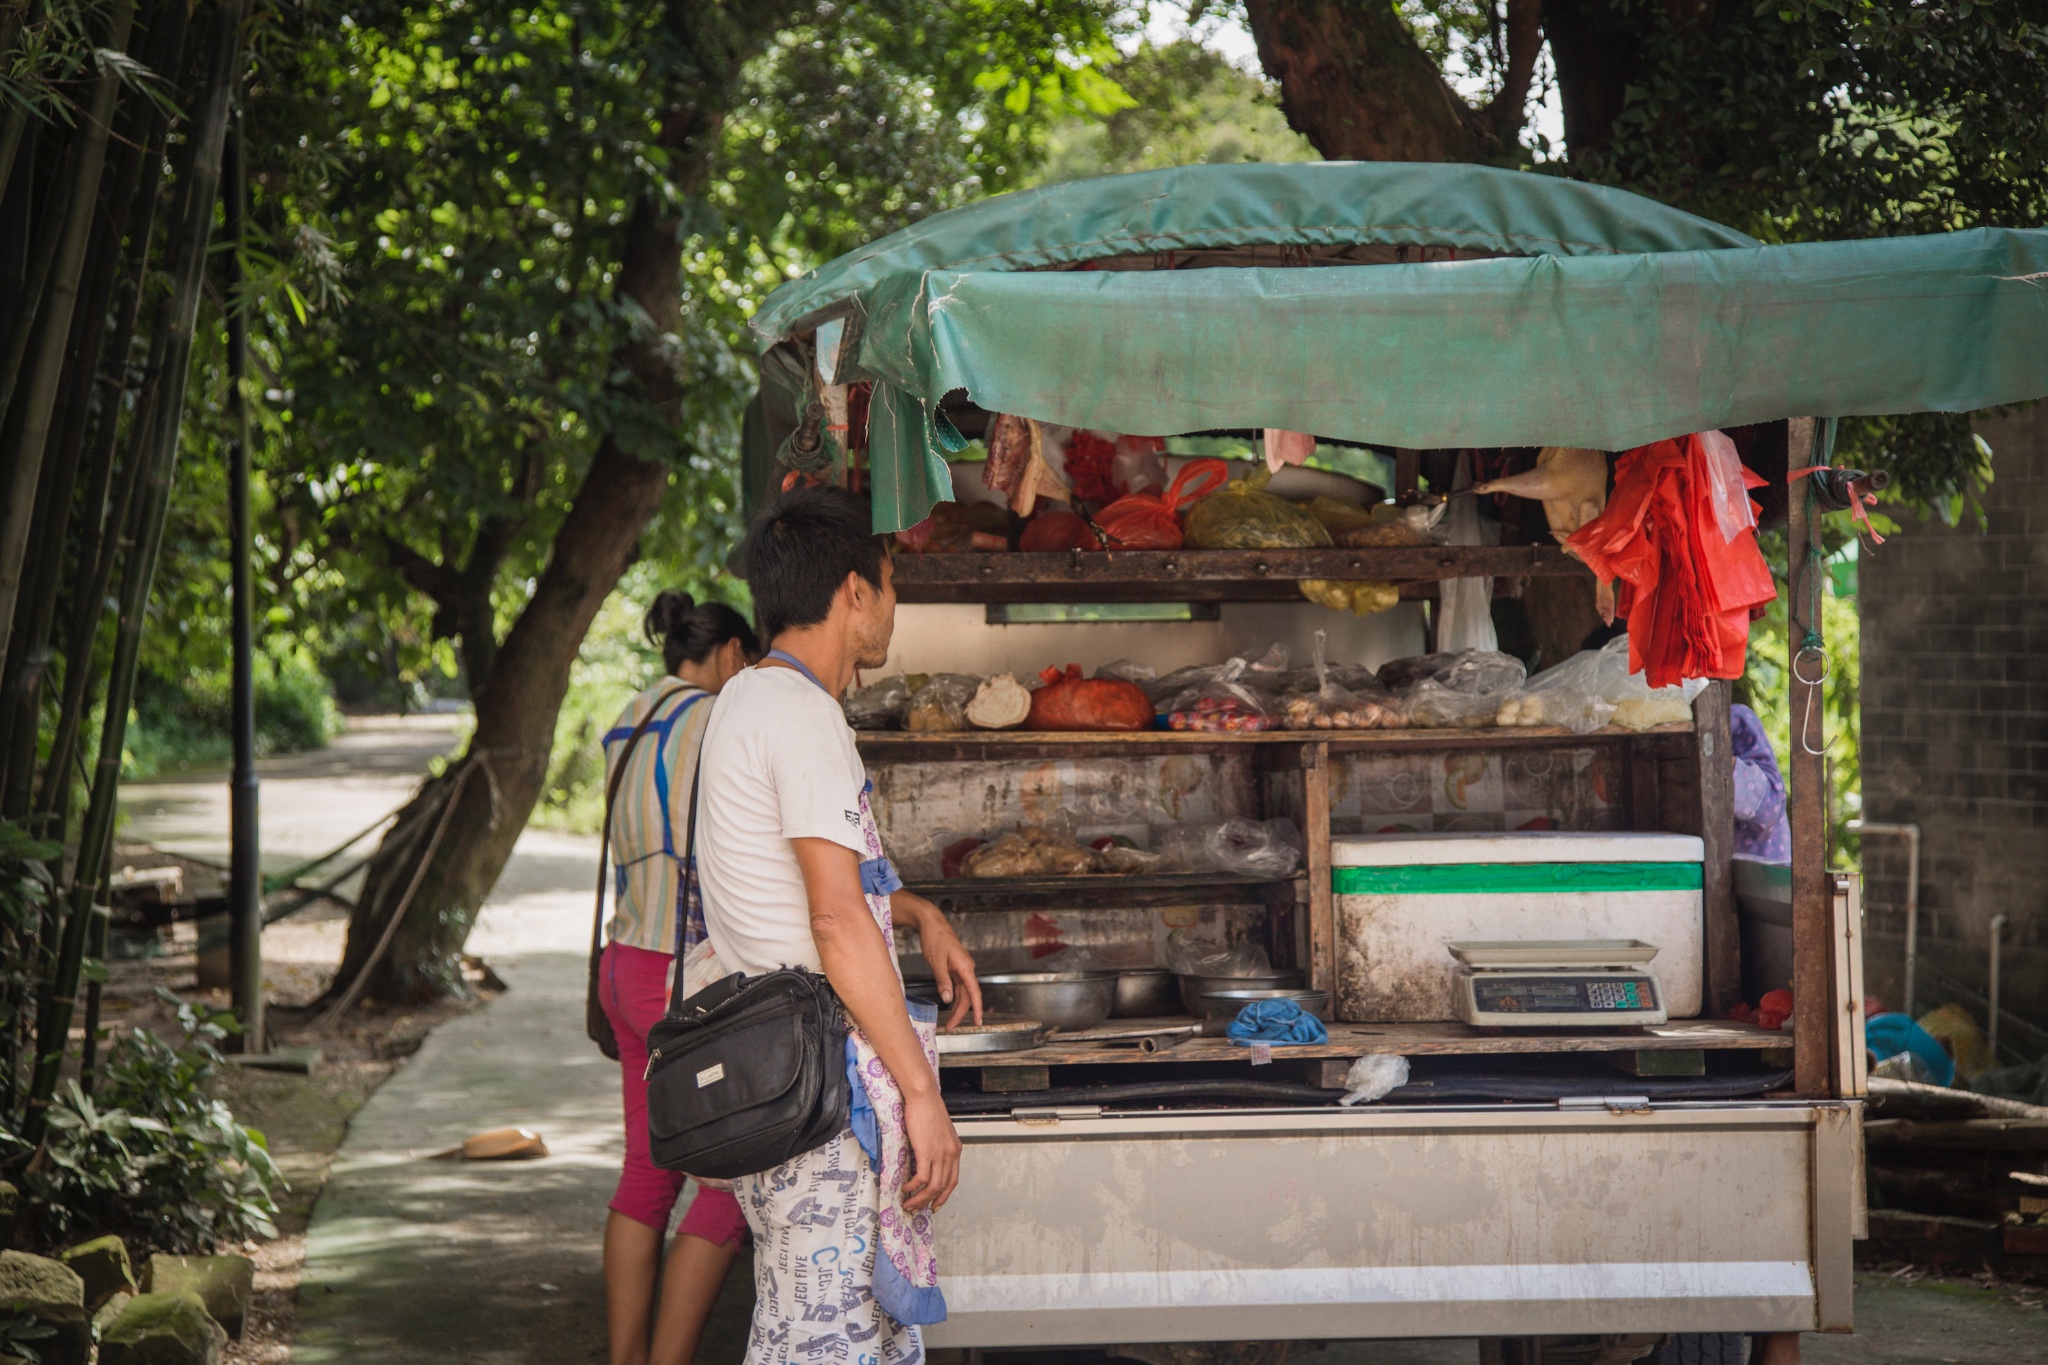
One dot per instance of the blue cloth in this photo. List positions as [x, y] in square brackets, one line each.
[899, 1298]
[1276, 1021]
[1887, 1035]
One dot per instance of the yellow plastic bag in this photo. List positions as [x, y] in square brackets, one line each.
[1242, 515]
[1360, 598]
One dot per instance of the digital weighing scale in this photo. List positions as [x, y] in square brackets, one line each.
[1557, 983]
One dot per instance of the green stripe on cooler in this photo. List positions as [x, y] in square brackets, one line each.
[1445, 879]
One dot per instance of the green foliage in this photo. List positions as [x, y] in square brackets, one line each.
[18, 1334]
[184, 723]
[26, 886]
[150, 1155]
[1764, 686]
[1188, 106]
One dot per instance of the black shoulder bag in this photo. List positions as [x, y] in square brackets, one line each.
[748, 1072]
[596, 1022]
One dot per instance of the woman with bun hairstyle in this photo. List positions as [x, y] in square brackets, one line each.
[656, 920]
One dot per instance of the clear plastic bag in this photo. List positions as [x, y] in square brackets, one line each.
[1638, 705]
[878, 706]
[1192, 956]
[1568, 695]
[1130, 671]
[1225, 704]
[1333, 705]
[1184, 682]
[1244, 516]
[941, 704]
[1246, 848]
[1465, 693]
[1402, 674]
[1267, 671]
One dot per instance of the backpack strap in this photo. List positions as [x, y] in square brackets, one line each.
[611, 794]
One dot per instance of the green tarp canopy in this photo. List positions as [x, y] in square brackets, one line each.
[1402, 305]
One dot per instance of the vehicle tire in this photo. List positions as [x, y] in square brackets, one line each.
[1702, 1348]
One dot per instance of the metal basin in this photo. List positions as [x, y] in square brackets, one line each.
[1193, 988]
[1145, 993]
[1226, 1004]
[1063, 1000]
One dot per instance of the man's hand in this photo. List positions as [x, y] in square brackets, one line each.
[935, 1152]
[950, 961]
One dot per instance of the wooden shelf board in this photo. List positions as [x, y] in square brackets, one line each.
[1204, 575]
[1408, 1040]
[1040, 743]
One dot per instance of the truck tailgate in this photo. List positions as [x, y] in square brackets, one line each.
[1070, 1227]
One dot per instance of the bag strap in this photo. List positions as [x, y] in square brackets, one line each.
[675, 990]
[611, 794]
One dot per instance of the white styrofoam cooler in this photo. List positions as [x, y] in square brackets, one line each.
[1401, 897]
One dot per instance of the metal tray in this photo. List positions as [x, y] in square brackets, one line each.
[1553, 952]
[993, 1034]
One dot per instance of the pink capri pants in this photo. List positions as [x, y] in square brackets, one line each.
[633, 990]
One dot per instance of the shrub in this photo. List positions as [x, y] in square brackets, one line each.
[185, 723]
[150, 1155]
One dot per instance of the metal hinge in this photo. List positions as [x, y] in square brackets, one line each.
[1047, 1115]
[1613, 1104]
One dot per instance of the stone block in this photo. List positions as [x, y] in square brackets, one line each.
[113, 1308]
[51, 1293]
[223, 1284]
[103, 1265]
[163, 1329]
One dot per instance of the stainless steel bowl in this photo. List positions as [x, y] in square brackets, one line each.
[1145, 993]
[1193, 988]
[1063, 1000]
[1226, 1004]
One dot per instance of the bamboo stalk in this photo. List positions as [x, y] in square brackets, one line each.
[39, 394]
[17, 118]
[62, 466]
[101, 523]
[171, 342]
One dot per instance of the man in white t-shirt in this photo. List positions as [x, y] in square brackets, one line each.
[786, 854]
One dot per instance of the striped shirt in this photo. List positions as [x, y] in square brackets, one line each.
[650, 816]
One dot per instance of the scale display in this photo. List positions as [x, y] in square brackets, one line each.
[1559, 999]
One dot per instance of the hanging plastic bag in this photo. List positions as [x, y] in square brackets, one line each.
[1464, 617]
[1225, 704]
[1071, 702]
[878, 706]
[941, 704]
[1089, 457]
[1152, 521]
[1244, 516]
[1727, 489]
[1245, 848]
[1360, 597]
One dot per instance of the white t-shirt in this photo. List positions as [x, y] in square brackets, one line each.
[779, 764]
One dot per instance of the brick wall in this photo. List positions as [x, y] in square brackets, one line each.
[1955, 730]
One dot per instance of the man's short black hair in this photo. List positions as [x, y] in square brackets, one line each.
[798, 551]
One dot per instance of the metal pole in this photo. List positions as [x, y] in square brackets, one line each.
[1991, 1031]
[1911, 834]
[245, 872]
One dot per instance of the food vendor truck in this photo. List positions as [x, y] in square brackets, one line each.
[1253, 445]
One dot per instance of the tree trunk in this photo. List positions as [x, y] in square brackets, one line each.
[441, 861]
[1598, 51]
[429, 877]
[1355, 83]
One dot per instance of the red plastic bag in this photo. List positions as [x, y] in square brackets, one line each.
[1088, 466]
[1055, 528]
[1151, 521]
[1069, 701]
